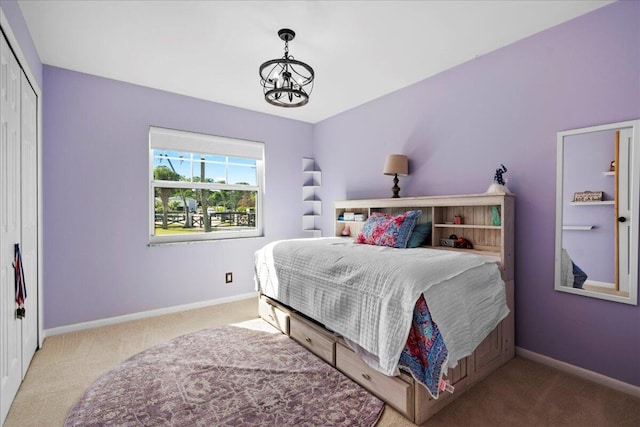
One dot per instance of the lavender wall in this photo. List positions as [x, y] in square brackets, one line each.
[506, 107]
[96, 260]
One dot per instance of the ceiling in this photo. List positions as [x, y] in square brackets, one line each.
[360, 50]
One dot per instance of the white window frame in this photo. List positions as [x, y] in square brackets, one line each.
[177, 140]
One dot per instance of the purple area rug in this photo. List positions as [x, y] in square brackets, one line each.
[225, 376]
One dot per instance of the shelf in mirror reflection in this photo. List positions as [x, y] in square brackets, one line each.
[597, 203]
[578, 227]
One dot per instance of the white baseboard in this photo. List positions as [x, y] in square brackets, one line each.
[580, 372]
[144, 314]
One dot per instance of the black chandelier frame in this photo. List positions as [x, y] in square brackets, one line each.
[286, 81]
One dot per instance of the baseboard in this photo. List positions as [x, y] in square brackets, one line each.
[144, 314]
[580, 372]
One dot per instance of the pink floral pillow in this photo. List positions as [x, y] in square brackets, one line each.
[387, 230]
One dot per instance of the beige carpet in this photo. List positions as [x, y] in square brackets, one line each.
[521, 393]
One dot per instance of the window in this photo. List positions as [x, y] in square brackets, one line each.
[203, 187]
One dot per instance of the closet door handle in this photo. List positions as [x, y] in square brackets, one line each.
[622, 219]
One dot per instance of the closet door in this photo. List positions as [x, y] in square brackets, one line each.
[29, 221]
[10, 326]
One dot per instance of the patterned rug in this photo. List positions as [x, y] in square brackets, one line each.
[225, 376]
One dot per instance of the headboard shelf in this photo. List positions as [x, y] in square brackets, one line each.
[486, 227]
[486, 220]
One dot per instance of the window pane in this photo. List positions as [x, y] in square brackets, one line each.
[216, 172]
[239, 174]
[208, 211]
[172, 165]
[199, 165]
[184, 166]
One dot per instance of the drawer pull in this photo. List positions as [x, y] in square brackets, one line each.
[366, 376]
[271, 317]
[307, 339]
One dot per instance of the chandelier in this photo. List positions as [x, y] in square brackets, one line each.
[286, 82]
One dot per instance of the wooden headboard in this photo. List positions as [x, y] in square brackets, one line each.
[486, 220]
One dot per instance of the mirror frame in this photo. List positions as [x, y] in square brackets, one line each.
[634, 170]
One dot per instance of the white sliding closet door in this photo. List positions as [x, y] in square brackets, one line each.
[29, 220]
[10, 207]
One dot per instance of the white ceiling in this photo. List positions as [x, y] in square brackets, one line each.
[360, 50]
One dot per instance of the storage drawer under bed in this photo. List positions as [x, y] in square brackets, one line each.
[396, 391]
[317, 340]
[274, 314]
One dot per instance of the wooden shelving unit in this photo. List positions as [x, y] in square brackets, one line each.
[475, 210]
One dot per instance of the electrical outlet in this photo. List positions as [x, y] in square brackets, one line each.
[228, 277]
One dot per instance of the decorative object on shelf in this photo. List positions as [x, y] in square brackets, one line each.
[396, 164]
[457, 219]
[498, 186]
[286, 82]
[349, 216]
[447, 243]
[456, 242]
[462, 243]
[346, 231]
[612, 166]
[358, 217]
[588, 196]
[496, 216]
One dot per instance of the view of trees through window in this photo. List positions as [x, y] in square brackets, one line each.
[203, 193]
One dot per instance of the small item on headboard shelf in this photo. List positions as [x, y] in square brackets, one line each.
[447, 243]
[456, 242]
[346, 231]
[496, 216]
[349, 216]
[462, 243]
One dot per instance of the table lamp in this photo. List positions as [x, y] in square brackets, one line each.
[396, 164]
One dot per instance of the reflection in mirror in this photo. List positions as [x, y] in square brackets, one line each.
[597, 212]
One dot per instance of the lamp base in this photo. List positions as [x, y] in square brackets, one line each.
[395, 188]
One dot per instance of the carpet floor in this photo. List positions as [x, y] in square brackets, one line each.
[521, 393]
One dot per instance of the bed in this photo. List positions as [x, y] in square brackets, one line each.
[405, 323]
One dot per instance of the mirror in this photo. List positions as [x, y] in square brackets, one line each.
[597, 192]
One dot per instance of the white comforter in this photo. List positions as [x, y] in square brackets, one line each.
[367, 293]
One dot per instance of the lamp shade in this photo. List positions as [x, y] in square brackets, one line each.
[396, 164]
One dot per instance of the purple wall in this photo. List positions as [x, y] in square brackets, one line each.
[506, 107]
[586, 157]
[96, 260]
